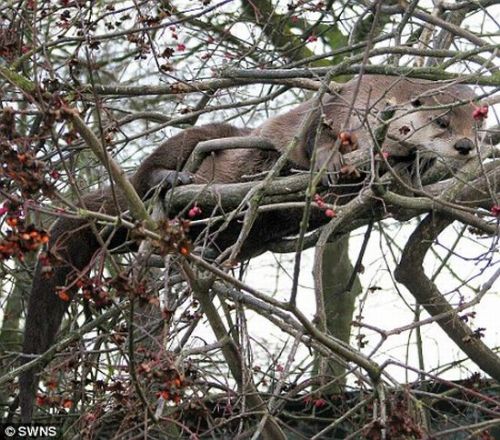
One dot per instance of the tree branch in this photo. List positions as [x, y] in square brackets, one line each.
[410, 272]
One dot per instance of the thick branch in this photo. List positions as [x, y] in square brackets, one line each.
[201, 289]
[423, 73]
[410, 272]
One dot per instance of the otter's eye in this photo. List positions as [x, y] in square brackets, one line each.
[417, 103]
[442, 122]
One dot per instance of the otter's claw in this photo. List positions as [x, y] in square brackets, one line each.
[168, 179]
[333, 167]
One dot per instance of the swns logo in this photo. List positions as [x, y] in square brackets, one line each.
[17, 431]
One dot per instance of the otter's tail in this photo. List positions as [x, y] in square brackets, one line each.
[73, 240]
[75, 243]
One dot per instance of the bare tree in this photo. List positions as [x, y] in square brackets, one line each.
[172, 341]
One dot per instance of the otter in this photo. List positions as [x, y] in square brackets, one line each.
[442, 131]
[433, 118]
[74, 243]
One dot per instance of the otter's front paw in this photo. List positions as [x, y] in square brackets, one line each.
[350, 171]
[347, 142]
[332, 164]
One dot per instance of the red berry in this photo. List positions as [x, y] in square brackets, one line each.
[330, 213]
[55, 174]
[318, 403]
[480, 113]
[63, 295]
[194, 211]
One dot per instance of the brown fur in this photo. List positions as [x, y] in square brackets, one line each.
[75, 242]
[418, 129]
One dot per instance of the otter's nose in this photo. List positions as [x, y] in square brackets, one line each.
[464, 146]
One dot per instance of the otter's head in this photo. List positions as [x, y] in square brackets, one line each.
[436, 121]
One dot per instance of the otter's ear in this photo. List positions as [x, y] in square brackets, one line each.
[417, 102]
[335, 87]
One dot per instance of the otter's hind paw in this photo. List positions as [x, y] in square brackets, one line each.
[168, 179]
[350, 171]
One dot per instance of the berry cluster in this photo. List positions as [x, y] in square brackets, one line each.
[93, 290]
[195, 211]
[322, 205]
[161, 370]
[317, 402]
[24, 169]
[20, 238]
[174, 236]
[480, 113]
